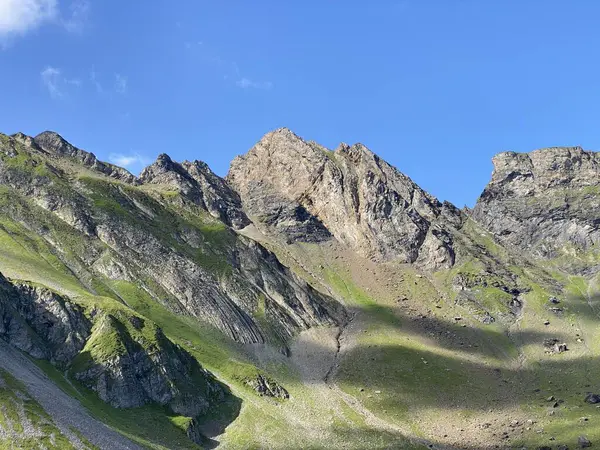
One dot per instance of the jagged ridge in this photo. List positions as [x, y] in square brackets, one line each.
[303, 191]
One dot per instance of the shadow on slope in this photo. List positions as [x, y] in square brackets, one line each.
[491, 341]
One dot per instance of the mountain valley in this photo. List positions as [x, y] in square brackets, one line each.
[312, 298]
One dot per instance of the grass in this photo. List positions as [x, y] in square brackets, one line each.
[151, 426]
[422, 378]
[16, 407]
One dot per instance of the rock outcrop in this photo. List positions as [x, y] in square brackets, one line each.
[55, 145]
[197, 183]
[125, 358]
[173, 235]
[544, 202]
[301, 191]
[41, 323]
[130, 363]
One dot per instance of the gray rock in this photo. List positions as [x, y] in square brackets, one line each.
[41, 323]
[55, 145]
[544, 202]
[132, 372]
[267, 387]
[142, 372]
[197, 183]
[192, 264]
[592, 398]
[302, 191]
[584, 442]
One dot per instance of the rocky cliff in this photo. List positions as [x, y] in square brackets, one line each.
[126, 359]
[544, 202]
[168, 231]
[304, 192]
[138, 289]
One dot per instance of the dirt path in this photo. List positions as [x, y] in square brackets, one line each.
[65, 411]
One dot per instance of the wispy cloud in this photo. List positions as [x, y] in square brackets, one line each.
[51, 77]
[56, 83]
[246, 83]
[120, 84]
[20, 16]
[129, 160]
[95, 82]
[230, 70]
[77, 18]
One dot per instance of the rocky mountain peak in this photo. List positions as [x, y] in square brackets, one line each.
[302, 191]
[24, 139]
[198, 184]
[53, 142]
[164, 160]
[162, 171]
[544, 200]
[547, 168]
[355, 152]
[55, 145]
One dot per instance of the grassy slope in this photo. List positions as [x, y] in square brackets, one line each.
[408, 363]
[412, 364]
[17, 411]
[260, 422]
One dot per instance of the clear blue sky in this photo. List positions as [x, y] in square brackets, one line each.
[435, 87]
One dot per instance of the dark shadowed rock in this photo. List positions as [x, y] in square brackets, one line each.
[592, 398]
[267, 387]
[123, 366]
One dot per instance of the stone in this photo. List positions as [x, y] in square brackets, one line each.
[302, 191]
[542, 202]
[584, 442]
[268, 387]
[592, 398]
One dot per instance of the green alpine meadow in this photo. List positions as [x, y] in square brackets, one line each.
[311, 299]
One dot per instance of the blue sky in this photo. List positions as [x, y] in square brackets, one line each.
[435, 87]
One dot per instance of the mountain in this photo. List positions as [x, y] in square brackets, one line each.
[545, 203]
[312, 298]
[306, 192]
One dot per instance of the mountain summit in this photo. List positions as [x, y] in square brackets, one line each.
[311, 299]
[306, 192]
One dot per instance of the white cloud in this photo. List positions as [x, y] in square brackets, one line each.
[95, 82]
[19, 16]
[56, 83]
[73, 82]
[77, 18]
[133, 159]
[120, 84]
[246, 83]
[51, 77]
[230, 70]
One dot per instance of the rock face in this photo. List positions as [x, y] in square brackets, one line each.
[304, 192]
[544, 202]
[41, 323]
[266, 387]
[171, 231]
[196, 182]
[131, 366]
[125, 359]
[54, 144]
